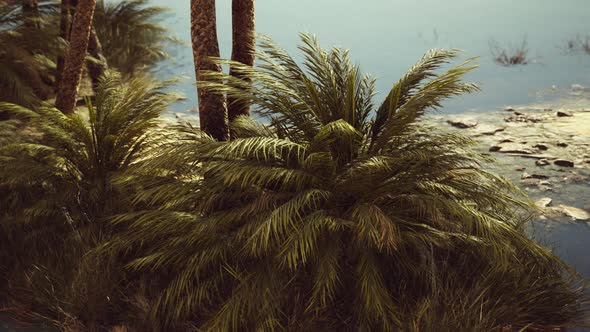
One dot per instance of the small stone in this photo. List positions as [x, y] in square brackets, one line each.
[545, 188]
[509, 109]
[545, 183]
[462, 123]
[543, 202]
[564, 163]
[563, 114]
[520, 169]
[507, 140]
[541, 146]
[562, 144]
[495, 148]
[542, 162]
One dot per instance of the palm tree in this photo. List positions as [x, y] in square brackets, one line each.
[243, 39]
[132, 38]
[25, 64]
[76, 56]
[336, 215]
[212, 108]
[55, 192]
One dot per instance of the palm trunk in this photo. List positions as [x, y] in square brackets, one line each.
[74, 61]
[212, 108]
[243, 39]
[97, 66]
[64, 33]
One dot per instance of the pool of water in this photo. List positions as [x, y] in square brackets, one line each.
[386, 37]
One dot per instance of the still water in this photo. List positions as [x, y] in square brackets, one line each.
[387, 36]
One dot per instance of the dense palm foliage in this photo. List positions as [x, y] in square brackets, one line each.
[131, 36]
[29, 46]
[337, 215]
[57, 185]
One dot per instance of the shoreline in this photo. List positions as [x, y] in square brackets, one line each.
[543, 148]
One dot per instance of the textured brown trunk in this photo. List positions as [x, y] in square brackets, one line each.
[97, 66]
[74, 61]
[212, 109]
[243, 39]
[64, 32]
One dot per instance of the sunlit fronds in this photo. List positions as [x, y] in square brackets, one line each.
[333, 214]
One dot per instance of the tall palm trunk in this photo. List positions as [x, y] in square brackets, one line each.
[98, 65]
[243, 38]
[74, 61]
[95, 68]
[65, 23]
[212, 108]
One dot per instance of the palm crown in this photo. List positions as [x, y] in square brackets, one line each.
[57, 185]
[335, 214]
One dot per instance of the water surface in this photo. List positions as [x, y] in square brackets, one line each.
[387, 36]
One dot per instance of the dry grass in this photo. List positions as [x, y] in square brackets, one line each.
[577, 44]
[512, 56]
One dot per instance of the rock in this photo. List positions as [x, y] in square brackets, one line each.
[522, 117]
[543, 202]
[577, 87]
[530, 182]
[544, 188]
[572, 212]
[486, 129]
[463, 122]
[545, 183]
[575, 178]
[526, 175]
[564, 163]
[495, 148]
[563, 114]
[541, 146]
[520, 169]
[562, 144]
[509, 109]
[539, 156]
[513, 148]
[542, 162]
[507, 140]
